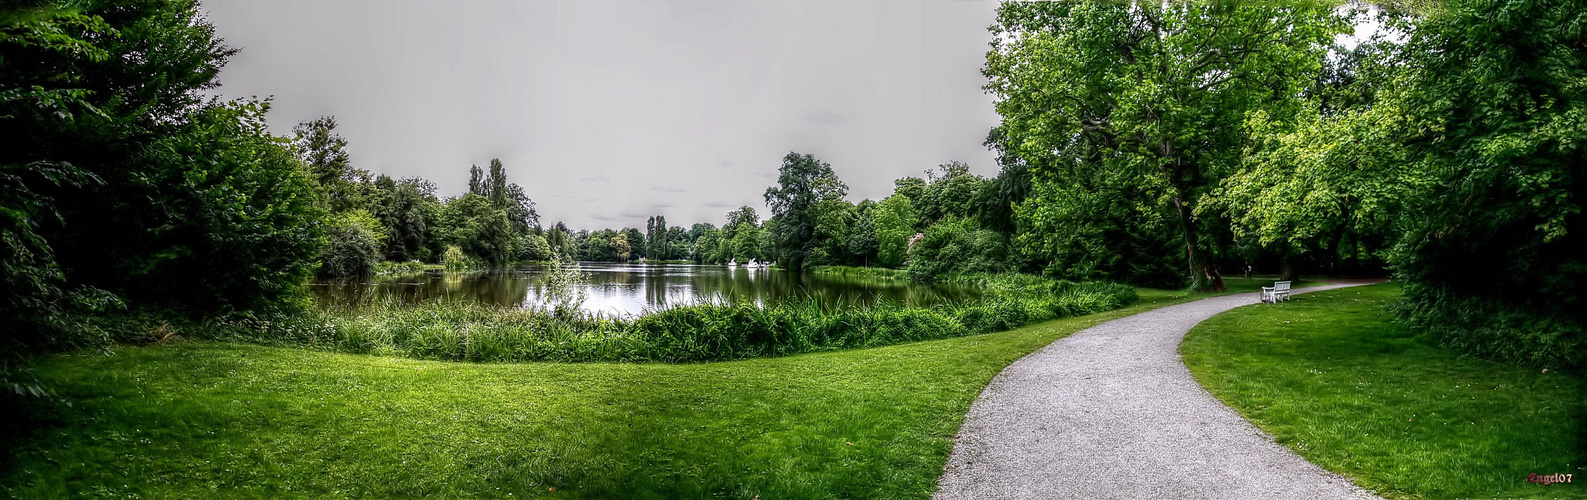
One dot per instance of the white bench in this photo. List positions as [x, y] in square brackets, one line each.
[1279, 291]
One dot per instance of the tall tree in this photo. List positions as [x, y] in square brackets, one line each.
[480, 229]
[1011, 186]
[656, 238]
[156, 191]
[410, 212]
[476, 180]
[834, 220]
[862, 239]
[894, 219]
[621, 247]
[1159, 90]
[325, 153]
[1494, 255]
[802, 182]
[323, 150]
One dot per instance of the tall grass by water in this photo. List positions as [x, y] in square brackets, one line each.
[465, 331]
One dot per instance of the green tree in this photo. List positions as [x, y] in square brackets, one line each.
[995, 205]
[678, 243]
[535, 248]
[620, 247]
[656, 238]
[325, 153]
[103, 112]
[951, 191]
[596, 246]
[636, 243]
[834, 218]
[746, 244]
[705, 249]
[410, 212]
[913, 188]
[894, 219]
[802, 183]
[1156, 91]
[1494, 252]
[479, 228]
[730, 245]
[1328, 185]
[454, 258]
[862, 239]
[560, 238]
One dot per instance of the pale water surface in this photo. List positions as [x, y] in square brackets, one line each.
[626, 289]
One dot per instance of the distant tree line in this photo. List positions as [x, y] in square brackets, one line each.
[374, 217]
[947, 222]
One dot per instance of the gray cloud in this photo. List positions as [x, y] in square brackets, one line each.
[624, 94]
[820, 117]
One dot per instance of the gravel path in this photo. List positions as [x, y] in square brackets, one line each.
[1112, 412]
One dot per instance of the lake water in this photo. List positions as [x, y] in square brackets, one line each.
[635, 288]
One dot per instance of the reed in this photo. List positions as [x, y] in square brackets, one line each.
[710, 331]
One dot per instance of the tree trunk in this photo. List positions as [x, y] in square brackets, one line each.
[1204, 275]
[1288, 270]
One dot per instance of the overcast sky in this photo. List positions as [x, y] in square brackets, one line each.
[608, 112]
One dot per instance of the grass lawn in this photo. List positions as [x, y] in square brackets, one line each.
[207, 419]
[1331, 377]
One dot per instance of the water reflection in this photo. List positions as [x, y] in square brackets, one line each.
[635, 288]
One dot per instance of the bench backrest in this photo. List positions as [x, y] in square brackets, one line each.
[1282, 286]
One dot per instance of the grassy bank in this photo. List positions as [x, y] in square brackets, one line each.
[207, 419]
[1331, 377]
[880, 273]
[199, 419]
[705, 332]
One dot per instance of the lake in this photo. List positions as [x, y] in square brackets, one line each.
[628, 289]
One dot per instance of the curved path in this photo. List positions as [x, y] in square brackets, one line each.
[1112, 412]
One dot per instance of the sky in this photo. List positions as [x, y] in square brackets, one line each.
[608, 112]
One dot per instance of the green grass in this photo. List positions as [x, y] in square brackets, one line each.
[1332, 377]
[882, 273]
[209, 419]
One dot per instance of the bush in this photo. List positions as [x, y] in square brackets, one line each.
[958, 246]
[351, 251]
[454, 258]
[1495, 328]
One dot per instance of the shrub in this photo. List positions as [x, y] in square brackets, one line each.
[958, 246]
[1498, 329]
[454, 258]
[351, 251]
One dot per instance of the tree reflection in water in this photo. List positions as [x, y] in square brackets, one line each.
[634, 288]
